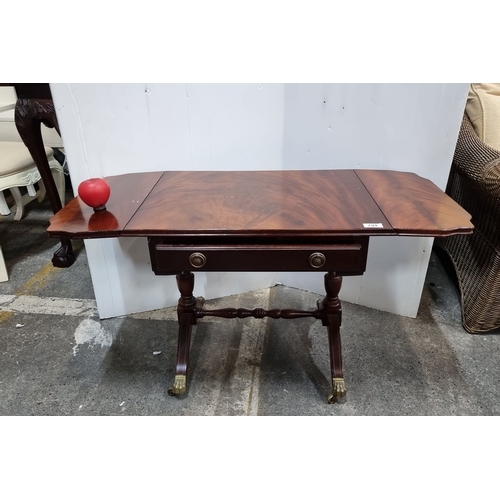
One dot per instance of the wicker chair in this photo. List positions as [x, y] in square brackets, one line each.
[474, 183]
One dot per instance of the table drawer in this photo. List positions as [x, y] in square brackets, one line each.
[344, 258]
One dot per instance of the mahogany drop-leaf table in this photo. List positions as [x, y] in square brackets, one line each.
[283, 220]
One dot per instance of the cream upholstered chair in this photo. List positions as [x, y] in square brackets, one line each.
[17, 171]
[8, 129]
[17, 168]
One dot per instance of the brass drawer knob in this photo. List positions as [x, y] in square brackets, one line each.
[317, 260]
[197, 260]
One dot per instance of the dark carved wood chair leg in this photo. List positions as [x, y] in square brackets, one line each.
[29, 115]
[186, 314]
[332, 318]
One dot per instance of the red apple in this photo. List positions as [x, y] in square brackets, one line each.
[95, 193]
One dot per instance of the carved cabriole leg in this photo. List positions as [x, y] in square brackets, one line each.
[29, 115]
[4, 208]
[186, 314]
[18, 198]
[332, 319]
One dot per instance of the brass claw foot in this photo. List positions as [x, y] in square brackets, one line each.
[179, 386]
[339, 390]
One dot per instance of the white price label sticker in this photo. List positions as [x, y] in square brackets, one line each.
[373, 224]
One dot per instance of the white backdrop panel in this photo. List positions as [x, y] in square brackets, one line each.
[110, 129]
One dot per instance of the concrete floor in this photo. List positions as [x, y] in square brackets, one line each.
[58, 358]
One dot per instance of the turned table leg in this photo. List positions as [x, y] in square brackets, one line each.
[186, 314]
[189, 309]
[332, 318]
[30, 113]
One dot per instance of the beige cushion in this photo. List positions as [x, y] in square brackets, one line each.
[483, 109]
[14, 157]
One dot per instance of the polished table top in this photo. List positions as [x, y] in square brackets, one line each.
[256, 221]
[259, 204]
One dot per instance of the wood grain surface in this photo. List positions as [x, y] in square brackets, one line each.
[414, 205]
[128, 192]
[253, 203]
[262, 204]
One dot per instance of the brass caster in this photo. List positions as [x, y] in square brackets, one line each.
[179, 386]
[339, 390]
